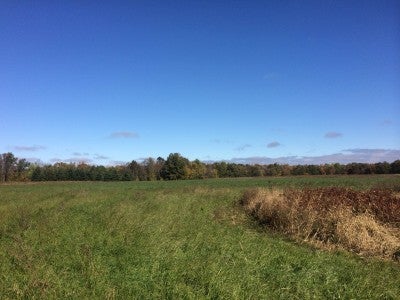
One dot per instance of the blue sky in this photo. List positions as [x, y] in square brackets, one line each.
[250, 81]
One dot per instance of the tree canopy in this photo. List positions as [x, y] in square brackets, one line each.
[175, 167]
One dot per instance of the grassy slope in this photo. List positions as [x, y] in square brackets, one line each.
[168, 240]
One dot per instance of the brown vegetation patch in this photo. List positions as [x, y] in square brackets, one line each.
[365, 222]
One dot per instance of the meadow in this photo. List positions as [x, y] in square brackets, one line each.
[170, 240]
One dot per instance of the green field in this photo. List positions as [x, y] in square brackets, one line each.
[171, 240]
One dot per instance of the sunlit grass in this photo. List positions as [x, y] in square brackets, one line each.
[184, 239]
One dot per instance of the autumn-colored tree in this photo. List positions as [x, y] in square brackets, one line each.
[196, 170]
[8, 164]
[149, 166]
[174, 167]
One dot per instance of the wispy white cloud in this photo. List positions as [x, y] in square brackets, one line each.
[221, 141]
[242, 147]
[100, 157]
[344, 157]
[79, 157]
[55, 160]
[278, 130]
[373, 155]
[117, 163]
[273, 144]
[270, 76]
[124, 134]
[80, 154]
[85, 154]
[29, 148]
[73, 160]
[332, 135]
[34, 160]
[387, 122]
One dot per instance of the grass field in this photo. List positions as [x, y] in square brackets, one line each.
[171, 240]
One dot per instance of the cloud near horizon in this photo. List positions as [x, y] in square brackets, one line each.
[80, 158]
[34, 160]
[29, 148]
[273, 144]
[73, 160]
[242, 147]
[332, 135]
[80, 154]
[100, 157]
[344, 157]
[114, 163]
[124, 134]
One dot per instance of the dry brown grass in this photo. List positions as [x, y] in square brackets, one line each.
[364, 222]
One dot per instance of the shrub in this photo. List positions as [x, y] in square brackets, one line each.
[365, 222]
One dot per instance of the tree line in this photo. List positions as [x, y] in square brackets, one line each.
[175, 167]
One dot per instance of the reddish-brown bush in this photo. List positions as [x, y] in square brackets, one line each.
[366, 222]
[381, 203]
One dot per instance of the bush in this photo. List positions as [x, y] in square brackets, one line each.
[365, 222]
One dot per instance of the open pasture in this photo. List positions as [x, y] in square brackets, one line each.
[172, 240]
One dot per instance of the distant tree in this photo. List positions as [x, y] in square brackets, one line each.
[82, 172]
[255, 170]
[211, 172]
[149, 166]
[98, 173]
[274, 169]
[159, 165]
[286, 170]
[353, 168]
[21, 167]
[8, 161]
[382, 168]
[368, 169]
[328, 169]
[299, 170]
[358, 168]
[124, 173]
[339, 169]
[61, 171]
[135, 169]
[313, 170]
[111, 174]
[196, 170]
[174, 167]
[1, 168]
[48, 173]
[37, 174]
[236, 170]
[395, 167]
[221, 168]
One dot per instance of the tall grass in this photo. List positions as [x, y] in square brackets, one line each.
[169, 240]
[365, 222]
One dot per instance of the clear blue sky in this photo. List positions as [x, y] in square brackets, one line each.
[251, 81]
